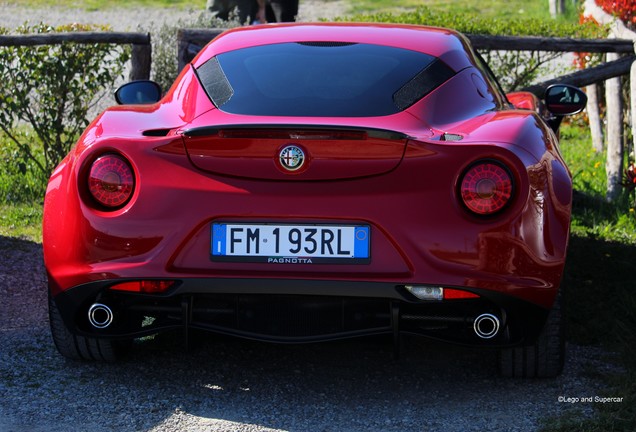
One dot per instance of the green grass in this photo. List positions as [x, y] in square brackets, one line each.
[22, 221]
[498, 9]
[101, 5]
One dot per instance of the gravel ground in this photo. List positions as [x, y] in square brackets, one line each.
[227, 384]
[12, 16]
[234, 385]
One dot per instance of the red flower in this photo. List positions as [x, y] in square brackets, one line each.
[581, 59]
[625, 10]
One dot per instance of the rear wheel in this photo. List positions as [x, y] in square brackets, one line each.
[546, 357]
[79, 347]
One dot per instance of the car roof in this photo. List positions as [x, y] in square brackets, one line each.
[449, 46]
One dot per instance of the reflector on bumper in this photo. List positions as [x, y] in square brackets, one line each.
[144, 286]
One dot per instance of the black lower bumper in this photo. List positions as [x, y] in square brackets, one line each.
[298, 311]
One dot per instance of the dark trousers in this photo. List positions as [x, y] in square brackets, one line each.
[282, 11]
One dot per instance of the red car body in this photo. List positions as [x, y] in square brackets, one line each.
[434, 266]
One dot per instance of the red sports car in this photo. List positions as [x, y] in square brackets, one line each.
[308, 182]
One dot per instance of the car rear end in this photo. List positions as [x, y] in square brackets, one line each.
[298, 213]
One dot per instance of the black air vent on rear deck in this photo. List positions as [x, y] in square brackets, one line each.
[427, 80]
[327, 44]
[215, 82]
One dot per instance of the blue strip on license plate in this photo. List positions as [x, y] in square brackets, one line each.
[281, 243]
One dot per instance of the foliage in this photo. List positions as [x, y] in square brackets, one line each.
[585, 59]
[625, 10]
[518, 69]
[51, 88]
[164, 45]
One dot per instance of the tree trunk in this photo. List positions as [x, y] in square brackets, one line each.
[614, 164]
[594, 116]
[553, 8]
[557, 7]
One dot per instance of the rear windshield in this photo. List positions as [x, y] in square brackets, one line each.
[320, 79]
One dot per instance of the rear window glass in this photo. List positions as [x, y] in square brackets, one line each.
[320, 79]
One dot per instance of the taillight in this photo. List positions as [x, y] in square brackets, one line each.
[111, 181]
[486, 188]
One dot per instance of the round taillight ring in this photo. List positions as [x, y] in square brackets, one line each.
[486, 187]
[111, 181]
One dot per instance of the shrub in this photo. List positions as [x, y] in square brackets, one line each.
[51, 89]
[164, 45]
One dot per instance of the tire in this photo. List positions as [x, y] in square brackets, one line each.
[544, 359]
[79, 347]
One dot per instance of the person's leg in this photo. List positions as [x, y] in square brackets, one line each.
[285, 10]
[277, 11]
[290, 10]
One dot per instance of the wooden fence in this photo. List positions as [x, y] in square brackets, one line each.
[190, 41]
[141, 48]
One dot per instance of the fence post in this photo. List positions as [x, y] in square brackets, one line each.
[190, 42]
[141, 58]
[594, 117]
[614, 163]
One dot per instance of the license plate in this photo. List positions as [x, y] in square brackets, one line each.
[290, 243]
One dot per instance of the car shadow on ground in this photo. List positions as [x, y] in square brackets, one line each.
[232, 384]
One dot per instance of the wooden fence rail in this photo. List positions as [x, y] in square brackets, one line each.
[141, 48]
[589, 76]
[533, 43]
[582, 78]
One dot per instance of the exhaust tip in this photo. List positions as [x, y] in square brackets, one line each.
[100, 316]
[486, 326]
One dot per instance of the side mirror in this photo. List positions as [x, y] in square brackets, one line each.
[564, 99]
[138, 93]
